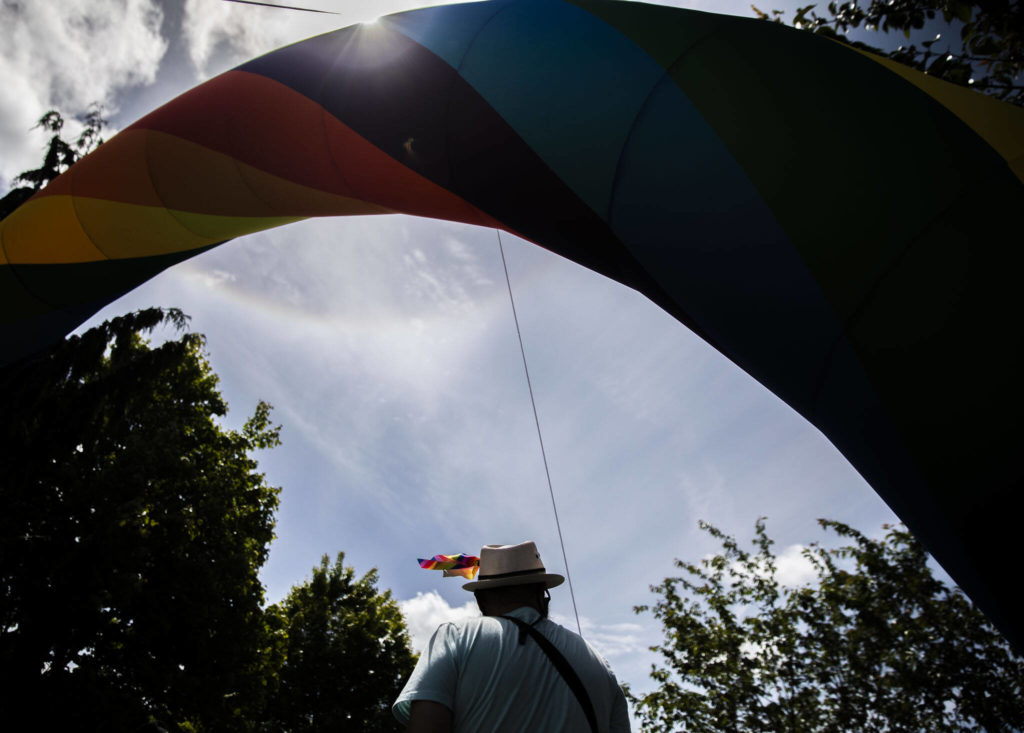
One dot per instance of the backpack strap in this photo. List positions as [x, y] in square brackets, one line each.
[562, 665]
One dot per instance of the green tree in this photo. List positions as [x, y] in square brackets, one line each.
[132, 531]
[59, 156]
[346, 654]
[877, 643]
[981, 44]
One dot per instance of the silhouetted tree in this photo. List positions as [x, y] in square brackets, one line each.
[876, 643]
[132, 531]
[346, 654]
[59, 156]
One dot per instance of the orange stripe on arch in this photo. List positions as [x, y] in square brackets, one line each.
[256, 121]
[151, 168]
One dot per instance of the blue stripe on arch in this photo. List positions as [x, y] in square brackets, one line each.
[447, 30]
[691, 217]
[607, 118]
[566, 81]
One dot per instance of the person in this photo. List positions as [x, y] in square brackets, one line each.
[492, 673]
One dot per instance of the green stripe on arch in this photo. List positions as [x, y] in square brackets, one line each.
[1001, 125]
[783, 119]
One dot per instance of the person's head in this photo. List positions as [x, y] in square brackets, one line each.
[512, 576]
[499, 601]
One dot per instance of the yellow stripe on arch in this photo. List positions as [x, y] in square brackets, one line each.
[221, 228]
[124, 230]
[45, 230]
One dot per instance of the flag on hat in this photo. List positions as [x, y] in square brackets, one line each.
[465, 566]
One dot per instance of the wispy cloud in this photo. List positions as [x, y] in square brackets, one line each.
[215, 278]
[614, 641]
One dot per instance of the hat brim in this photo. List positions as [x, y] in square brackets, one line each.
[550, 580]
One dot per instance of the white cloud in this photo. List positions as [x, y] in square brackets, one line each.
[235, 32]
[792, 568]
[613, 640]
[66, 54]
[220, 34]
[424, 613]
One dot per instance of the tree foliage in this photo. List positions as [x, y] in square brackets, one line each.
[346, 654]
[981, 44]
[59, 156]
[133, 529]
[877, 643]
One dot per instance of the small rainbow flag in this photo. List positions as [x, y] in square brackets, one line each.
[465, 566]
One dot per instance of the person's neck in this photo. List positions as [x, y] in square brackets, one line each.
[504, 608]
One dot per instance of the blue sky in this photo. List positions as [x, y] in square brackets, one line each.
[387, 347]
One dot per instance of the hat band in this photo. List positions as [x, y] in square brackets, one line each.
[491, 576]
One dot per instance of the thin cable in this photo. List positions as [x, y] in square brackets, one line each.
[282, 7]
[540, 438]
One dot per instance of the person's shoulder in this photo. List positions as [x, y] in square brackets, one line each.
[470, 622]
[467, 627]
[462, 635]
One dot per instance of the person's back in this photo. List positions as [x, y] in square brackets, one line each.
[486, 674]
[491, 682]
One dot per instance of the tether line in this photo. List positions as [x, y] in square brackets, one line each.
[283, 7]
[540, 438]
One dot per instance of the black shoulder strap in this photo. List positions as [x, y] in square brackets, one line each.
[562, 665]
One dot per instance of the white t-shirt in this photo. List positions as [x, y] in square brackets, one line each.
[478, 670]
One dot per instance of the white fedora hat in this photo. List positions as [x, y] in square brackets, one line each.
[503, 565]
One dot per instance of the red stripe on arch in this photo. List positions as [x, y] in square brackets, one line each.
[265, 124]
